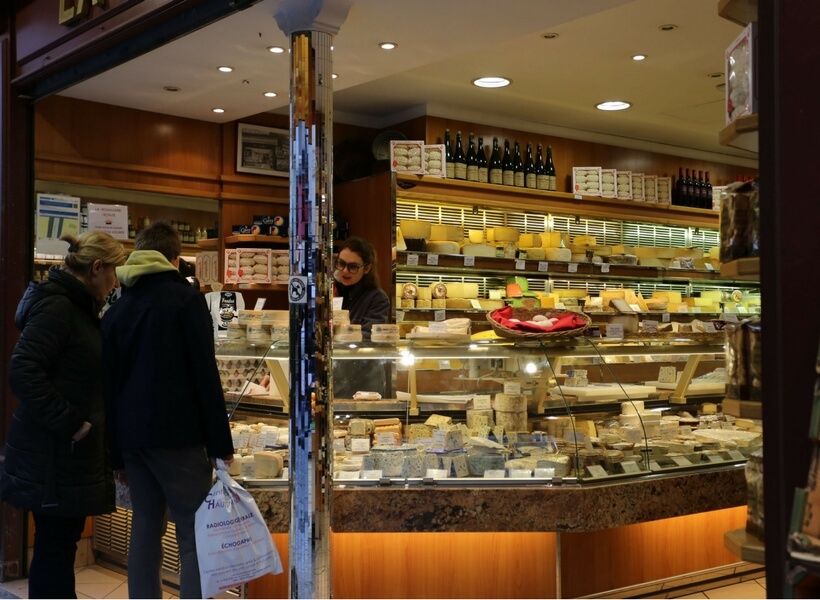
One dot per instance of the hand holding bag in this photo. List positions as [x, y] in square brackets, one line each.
[233, 543]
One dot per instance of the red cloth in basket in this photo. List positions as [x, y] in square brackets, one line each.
[566, 321]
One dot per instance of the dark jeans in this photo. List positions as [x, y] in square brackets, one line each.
[51, 574]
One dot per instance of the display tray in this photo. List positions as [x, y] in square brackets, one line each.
[604, 392]
[703, 388]
[461, 399]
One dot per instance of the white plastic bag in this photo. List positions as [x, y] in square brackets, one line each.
[233, 544]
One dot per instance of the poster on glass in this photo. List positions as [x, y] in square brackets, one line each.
[262, 150]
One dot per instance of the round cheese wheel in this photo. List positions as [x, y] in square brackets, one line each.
[415, 229]
[410, 290]
[438, 291]
[506, 234]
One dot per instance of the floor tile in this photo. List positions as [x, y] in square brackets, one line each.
[121, 591]
[748, 590]
[698, 595]
[100, 590]
[96, 574]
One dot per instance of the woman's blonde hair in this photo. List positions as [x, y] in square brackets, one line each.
[89, 247]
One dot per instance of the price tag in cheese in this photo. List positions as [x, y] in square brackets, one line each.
[399, 316]
[572, 268]
[520, 474]
[475, 303]
[260, 304]
[683, 308]
[578, 197]
[495, 474]
[649, 326]
[360, 444]
[437, 327]
[596, 471]
[348, 475]
[511, 387]
[482, 402]
[337, 302]
[633, 435]
[604, 267]
[681, 461]
[543, 266]
[469, 260]
[665, 317]
[736, 455]
[630, 466]
[339, 445]
[614, 330]
[432, 259]
[437, 473]
[372, 474]
[694, 309]
[439, 437]
[520, 264]
[709, 266]
[439, 315]
[413, 260]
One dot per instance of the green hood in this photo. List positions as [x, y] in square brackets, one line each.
[142, 262]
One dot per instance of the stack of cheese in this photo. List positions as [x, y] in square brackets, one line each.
[585, 248]
[511, 412]
[343, 330]
[446, 328]
[545, 246]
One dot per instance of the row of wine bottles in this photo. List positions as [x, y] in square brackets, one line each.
[507, 169]
[694, 190]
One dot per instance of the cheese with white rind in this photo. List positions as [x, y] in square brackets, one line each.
[536, 253]
[559, 254]
[478, 250]
[415, 229]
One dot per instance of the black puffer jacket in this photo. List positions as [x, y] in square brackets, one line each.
[55, 373]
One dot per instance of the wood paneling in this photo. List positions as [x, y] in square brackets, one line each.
[274, 586]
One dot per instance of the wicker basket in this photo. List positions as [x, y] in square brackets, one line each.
[526, 314]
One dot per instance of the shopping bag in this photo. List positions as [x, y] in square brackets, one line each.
[233, 544]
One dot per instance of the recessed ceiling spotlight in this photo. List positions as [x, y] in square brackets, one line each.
[613, 105]
[171, 88]
[225, 69]
[668, 27]
[276, 49]
[550, 36]
[334, 76]
[639, 57]
[491, 82]
[387, 45]
[270, 94]
[218, 110]
[715, 75]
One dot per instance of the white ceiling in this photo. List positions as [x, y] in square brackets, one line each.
[442, 46]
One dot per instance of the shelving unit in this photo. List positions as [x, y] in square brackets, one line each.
[741, 133]
[741, 12]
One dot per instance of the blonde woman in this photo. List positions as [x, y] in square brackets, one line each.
[56, 461]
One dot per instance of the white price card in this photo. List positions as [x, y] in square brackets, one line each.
[469, 260]
[337, 302]
[385, 439]
[665, 317]
[399, 316]
[360, 444]
[439, 315]
[512, 387]
[413, 260]
[495, 474]
[444, 365]
[614, 330]
[681, 461]
[432, 259]
[339, 445]
[436, 473]
[543, 266]
[482, 402]
[649, 326]
[736, 455]
[545, 472]
[520, 265]
[578, 197]
[439, 437]
[475, 303]
[654, 466]
[715, 458]
[260, 303]
[630, 466]
[694, 309]
[709, 266]
[347, 475]
[741, 309]
[520, 473]
[572, 268]
[596, 471]
[633, 435]
[604, 267]
[372, 474]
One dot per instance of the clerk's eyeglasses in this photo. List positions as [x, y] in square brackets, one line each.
[352, 268]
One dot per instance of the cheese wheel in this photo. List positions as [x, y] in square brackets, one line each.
[425, 293]
[438, 291]
[585, 240]
[462, 290]
[409, 290]
[476, 236]
[443, 247]
[457, 303]
[560, 254]
[506, 234]
[529, 240]
[268, 464]
[478, 250]
[536, 253]
[671, 297]
[414, 229]
[446, 233]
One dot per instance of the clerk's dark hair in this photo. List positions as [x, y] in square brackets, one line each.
[162, 237]
[368, 254]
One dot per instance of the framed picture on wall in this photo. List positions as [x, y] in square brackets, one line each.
[262, 150]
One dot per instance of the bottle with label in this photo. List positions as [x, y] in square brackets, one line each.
[481, 157]
[553, 178]
[518, 166]
[542, 182]
[677, 198]
[701, 191]
[459, 160]
[709, 205]
[508, 175]
[495, 170]
[529, 168]
[472, 160]
[448, 155]
[687, 190]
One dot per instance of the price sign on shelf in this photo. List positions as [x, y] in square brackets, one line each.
[469, 260]
[413, 260]
[432, 259]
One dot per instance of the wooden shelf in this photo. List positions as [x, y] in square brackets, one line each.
[747, 269]
[209, 244]
[742, 409]
[256, 239]
[741, 12]
[745, 545]
[741, 133]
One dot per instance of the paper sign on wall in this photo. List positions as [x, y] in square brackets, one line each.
[56, 215]
[110, 218]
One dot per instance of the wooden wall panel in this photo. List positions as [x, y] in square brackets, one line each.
[274, 586]
[443, 565]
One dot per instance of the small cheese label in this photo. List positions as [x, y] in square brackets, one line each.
[665, 317]
[681, 461]
[578, 197]
[439, 437]
[385, 439]
[715, 458]
[413, 259]
[360, 444]
[372, 474]
[469, 260]
[444, 365]
[348, 475]
[694, 309]
[439, 315]
[545, 472]
[604, 267]
[475, 303]
[512, 387]
[543, 266]
[630, 466]
[337, 302]
[260, 303]
[741, 309]
[482, 402]
[572, 268]
[438, 327]
[520, 265]
[614, 330]
[649, 326]
[633, 435]
[596, 471]
[494, 474]
[432, 259]
[436, 473]
[520, 473]
[654, 466]
[399, 316]
[709, 266]
[339, 445]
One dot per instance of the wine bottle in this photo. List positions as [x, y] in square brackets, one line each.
[518, 167]
[495, 172]
[459, 159]
[677, 198]
[472, 160]
[481, 154]
[701, 191]
[448, 155]
[709, 205]
[551, 170]
[507, 172]
[529, 169]
[542, 181]
[687, 190]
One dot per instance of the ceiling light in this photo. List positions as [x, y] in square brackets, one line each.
[225, 69]
[715, 75]
[613, 105]
[218, 110]
[334, 76]
[491, 82]
[550, 36]
[270, 94]
[639, 57]
[276, 49]
[387, 45]
[171, 88]
[668, 27]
